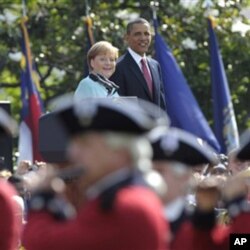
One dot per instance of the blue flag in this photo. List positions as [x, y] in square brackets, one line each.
[224, 119]
[182, 107]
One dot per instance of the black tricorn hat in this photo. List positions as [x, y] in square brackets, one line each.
[7, 124]
[105, 115]
[178, 145]
[244, 151]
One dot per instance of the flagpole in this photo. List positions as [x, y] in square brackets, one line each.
[154, 6]
[25, 33]
[207, 4]
[89, 23]
[87, 8]
[24, 8]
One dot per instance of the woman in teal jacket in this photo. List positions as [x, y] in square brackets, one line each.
[101, 58]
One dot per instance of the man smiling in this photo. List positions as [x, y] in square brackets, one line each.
[136, 74]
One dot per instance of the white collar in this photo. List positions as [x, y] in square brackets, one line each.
[107, 181]
[136, 56]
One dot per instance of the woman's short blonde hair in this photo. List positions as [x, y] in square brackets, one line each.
[102, 47]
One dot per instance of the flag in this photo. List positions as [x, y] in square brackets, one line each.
[224, 118]
[182, 107]
[89, 41]
[31, 104]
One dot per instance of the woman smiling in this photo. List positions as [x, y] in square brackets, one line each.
[101, 58]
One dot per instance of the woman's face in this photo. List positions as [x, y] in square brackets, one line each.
[104, 64]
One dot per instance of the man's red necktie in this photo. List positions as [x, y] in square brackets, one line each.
[147, 76]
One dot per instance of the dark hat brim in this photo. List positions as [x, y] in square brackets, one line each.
[178, 145]
[104, 115]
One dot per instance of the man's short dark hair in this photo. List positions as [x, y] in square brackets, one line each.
[135, 21]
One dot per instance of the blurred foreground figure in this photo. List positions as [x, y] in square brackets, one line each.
[10, 224]
[175, 154]
[118, 211]
[236, 165]
[202, 232]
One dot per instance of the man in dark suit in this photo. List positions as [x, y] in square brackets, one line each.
[135, 77]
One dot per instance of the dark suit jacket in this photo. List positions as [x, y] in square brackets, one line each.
[129, 77]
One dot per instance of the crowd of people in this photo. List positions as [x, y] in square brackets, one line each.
[130, 182]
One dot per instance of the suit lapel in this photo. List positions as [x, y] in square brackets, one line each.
[137, 72]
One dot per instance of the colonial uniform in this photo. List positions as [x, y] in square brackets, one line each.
[203, 233]
[214, 237]
[10, 226]
[123, 216]
[119, 214]
[174, 145]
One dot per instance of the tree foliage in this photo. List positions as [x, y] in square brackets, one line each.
[59, 43]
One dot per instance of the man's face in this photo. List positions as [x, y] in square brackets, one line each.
[92, 153]
[139, 38]
[176, 176]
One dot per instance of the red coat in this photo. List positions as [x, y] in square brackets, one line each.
[134, 223]
[9, 223]
[215, 239]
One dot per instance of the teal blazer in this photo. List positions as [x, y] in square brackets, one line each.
[87, 88]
